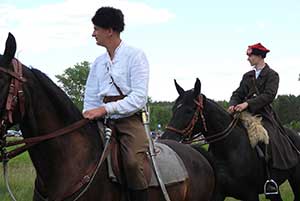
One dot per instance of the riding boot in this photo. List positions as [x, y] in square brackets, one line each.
[138, 195]
[270, 187]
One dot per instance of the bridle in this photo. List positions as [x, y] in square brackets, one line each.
[15, 92]
[16, 98]
[187, 132]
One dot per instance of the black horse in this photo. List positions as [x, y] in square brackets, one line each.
[240, 171]
[66, 165]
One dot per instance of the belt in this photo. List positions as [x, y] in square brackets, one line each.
[108, 99]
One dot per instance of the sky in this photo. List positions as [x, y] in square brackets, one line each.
[183, 40]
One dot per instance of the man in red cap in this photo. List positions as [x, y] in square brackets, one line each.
[255, 94]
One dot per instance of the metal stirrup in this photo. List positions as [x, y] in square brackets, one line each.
[273, 184]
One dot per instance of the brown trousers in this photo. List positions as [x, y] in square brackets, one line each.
[133, 145]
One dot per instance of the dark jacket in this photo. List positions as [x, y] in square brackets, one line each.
[259, 94]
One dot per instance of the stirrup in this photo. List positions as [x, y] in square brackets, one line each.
[274, 190]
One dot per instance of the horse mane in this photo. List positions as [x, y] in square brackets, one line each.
[217, 106]
[1, 56]
[58, 97]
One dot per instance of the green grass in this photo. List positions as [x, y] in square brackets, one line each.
[21, 179]
[22, 174]
[285, 190]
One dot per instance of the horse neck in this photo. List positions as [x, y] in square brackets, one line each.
[58, 162]
[217, 120]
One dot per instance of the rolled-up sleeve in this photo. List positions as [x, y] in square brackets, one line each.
[136, 99]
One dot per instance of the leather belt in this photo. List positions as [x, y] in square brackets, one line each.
[108, 99]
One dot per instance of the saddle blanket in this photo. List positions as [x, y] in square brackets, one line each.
[170, 165]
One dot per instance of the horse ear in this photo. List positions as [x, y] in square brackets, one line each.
[10, 50]
[179, 89]
[197, 88]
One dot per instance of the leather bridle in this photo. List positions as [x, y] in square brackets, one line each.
[15, 92]
[187, 132]
[16, 98]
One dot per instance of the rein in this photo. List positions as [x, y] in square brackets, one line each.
[217, 136]
[15, 96]
[29, 142]
[188, 130]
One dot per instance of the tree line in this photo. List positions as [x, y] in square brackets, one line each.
[73, 79]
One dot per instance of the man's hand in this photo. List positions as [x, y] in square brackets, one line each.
[95, 113]
[241, 107]
[231, 109]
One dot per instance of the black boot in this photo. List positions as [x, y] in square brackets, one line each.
[138, 195]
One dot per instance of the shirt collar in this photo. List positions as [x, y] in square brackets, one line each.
[259, 68]
[117, 52]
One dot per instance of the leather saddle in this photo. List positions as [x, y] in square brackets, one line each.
[170, 165]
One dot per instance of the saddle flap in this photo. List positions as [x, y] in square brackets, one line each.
[170, 165]
[115, 164]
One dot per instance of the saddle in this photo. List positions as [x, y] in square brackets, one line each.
[170, 165]
[115, 164]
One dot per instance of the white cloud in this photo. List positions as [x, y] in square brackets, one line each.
[68, 24]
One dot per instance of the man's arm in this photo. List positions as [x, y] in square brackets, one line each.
[91, 99]
[137, 98]
[267, 96]
[239, 94]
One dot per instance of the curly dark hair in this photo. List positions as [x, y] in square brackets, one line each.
[109, 17]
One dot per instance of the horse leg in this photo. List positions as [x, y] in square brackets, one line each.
[252, 197]
[218, 197]
[276, 197]
[295, 183]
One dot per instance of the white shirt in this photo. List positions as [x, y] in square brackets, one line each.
[130, 71]
[257, 71]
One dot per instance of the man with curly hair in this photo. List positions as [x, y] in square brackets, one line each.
[117, 86]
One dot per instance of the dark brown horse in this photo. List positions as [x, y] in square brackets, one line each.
[62, 163]
[240, 170]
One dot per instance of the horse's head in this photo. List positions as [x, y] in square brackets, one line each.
[196, 116]
[11, 81]
[186, 112]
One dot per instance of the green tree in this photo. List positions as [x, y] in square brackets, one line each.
[287, 107]
[160, 113]
[224, 104]
[73, 82]
[295, 125]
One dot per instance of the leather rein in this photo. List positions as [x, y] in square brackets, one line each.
[187, 132]
[16, 98]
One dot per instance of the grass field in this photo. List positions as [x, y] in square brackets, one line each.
[22, 174]
[21, 179]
